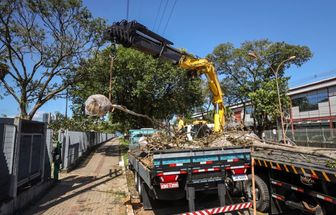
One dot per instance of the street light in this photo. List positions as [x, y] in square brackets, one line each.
[276, 73]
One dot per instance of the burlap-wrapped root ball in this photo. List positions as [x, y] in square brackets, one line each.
[97, 105]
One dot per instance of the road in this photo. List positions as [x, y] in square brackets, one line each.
[90, 189]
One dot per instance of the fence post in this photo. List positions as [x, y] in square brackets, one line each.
[15, 171]
[44, 148]
[63, 138]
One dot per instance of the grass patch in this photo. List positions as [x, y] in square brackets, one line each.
[125, 157]
[124, 150]
[124, 141]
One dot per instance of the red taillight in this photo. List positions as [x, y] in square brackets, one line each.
[239, 171]
[169, 178]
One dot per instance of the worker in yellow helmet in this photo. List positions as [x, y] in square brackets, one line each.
[180, 123]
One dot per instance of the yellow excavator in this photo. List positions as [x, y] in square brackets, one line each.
[135, 35]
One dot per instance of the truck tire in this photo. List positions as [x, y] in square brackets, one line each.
[262, 192]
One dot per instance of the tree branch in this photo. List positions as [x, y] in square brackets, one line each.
[10, 90]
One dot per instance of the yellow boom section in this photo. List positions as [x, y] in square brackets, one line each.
[203, 66]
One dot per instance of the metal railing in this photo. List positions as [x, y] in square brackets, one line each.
[314, 137]
[75, 144]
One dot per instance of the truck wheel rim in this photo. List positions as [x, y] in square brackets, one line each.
[249, 193]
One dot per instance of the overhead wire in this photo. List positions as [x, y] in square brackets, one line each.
[127, 9]
[170, 15]
[157, 15]
[139, 10]
[162, 15]
[320, 76]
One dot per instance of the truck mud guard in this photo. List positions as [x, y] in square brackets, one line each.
[224, 209]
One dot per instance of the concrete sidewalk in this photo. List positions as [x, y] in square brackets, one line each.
[98, 186]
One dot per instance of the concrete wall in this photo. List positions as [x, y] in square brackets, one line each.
[25, 198]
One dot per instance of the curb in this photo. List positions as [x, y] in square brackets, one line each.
[129, 208]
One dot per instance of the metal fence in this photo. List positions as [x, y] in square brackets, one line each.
[7, 135]
[317, 137]
[26, 152]
[23, 153]
[75, 144]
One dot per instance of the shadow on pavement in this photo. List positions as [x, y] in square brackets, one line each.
[112, 150]
[70, 183]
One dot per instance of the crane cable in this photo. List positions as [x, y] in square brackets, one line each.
[170, 15]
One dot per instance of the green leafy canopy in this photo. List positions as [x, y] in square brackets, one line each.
[141, 83]
[251, 79]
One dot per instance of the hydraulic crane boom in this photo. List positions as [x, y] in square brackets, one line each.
[137, 36]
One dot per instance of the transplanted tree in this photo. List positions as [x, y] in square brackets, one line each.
[141, 83]
[252, 79]
[42, 42]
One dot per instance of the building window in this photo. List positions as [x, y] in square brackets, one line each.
[309, 101]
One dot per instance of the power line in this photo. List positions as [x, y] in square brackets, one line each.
[162, 15]
[127, 10]
[170, 15]
[157, 15]
[316, 76]
[139, 10]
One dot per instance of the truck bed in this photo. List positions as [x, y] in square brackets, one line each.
[188, 161]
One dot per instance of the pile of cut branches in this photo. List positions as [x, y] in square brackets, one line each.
[162, 141]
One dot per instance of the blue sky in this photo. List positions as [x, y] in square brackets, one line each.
[200, 25]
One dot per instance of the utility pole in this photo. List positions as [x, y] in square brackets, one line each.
[112, 58]
[111, 73]
[66, 103]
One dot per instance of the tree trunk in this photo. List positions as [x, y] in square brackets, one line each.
[34, 110]
[244, 109]
[23, 111]
[23, 103]
[327, 153]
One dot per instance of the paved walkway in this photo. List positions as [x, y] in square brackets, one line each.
[90, 189]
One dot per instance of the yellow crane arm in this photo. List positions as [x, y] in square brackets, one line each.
[204, 66]
[137, 36]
